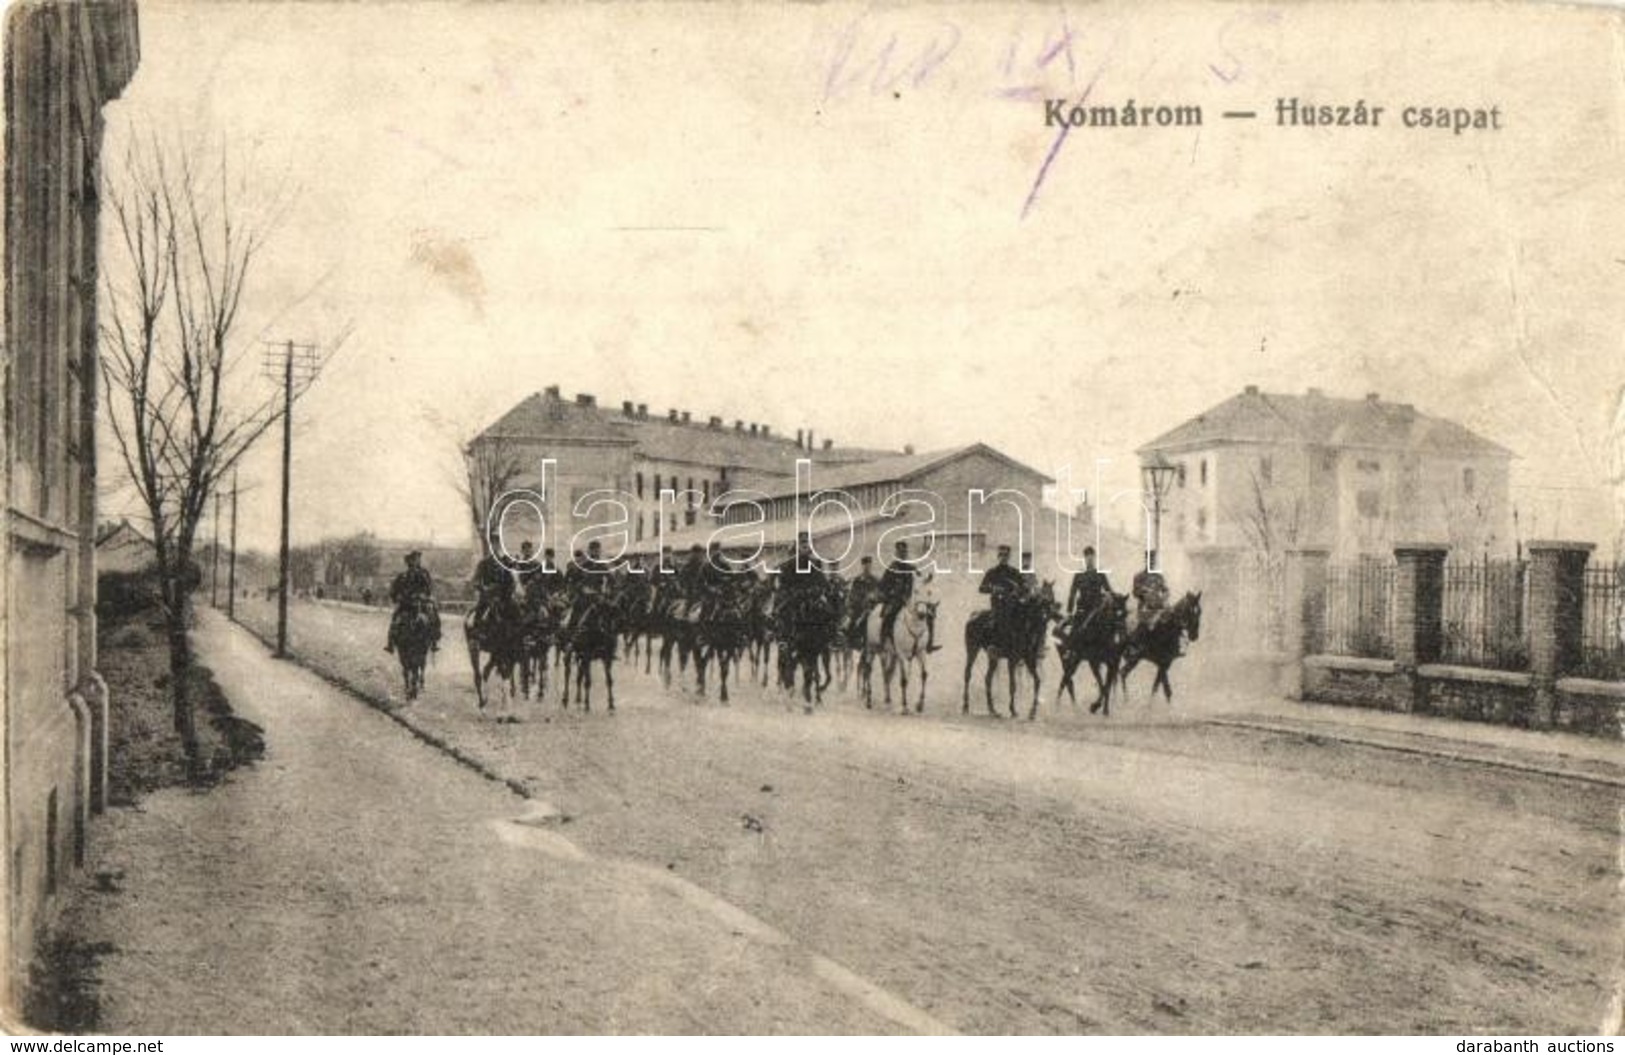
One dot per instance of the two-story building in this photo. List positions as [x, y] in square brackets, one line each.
[64, 62]
[1265, 471]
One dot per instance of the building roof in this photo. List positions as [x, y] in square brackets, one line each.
[901, 469]
[547, 415]
[1313, 418]
[544, 416]
[122, 532]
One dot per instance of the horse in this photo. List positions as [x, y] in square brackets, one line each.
[723, 634]
[1020, 641]
[1095, 638]
[591, 639]
[413, 639]
[901, 650]
[539, 628]
[808, 631]
[1161, 644]
[497, 632]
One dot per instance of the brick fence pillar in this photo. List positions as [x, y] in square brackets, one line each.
[1556, 599]
[1418, 616]
[1303, 628]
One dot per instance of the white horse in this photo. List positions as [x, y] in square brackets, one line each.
[904, 649]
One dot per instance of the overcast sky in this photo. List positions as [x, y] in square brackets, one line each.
[738, 211]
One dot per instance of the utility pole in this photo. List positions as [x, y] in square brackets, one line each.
[298, 362]
[231, 568]
[214, 557]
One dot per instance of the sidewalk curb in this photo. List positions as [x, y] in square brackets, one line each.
[1468, 758]
[383, 707]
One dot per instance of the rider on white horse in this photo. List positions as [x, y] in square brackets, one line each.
[896, 588]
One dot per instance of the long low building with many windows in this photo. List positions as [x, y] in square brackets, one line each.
[644, 481]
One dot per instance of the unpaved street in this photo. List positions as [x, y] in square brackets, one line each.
[752, 868]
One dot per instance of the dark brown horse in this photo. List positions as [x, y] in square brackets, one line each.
[1095, 638]
[1017, 638]
[1164, 643]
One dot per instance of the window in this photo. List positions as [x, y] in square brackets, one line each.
[1204, 472]
[640, 484]
[1181, 475]
[1368, 503]
[1468, 480]
[1201, 523]
[1266, 469]
[1366, 465]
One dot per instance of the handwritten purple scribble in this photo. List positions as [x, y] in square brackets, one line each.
[914, 68]
[1236, 66]
[1060, 138]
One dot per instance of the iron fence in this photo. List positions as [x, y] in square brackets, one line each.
[1485, 614]
[1602, 623]
[1359, 615]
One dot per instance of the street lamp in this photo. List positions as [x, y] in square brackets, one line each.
[1158, 474]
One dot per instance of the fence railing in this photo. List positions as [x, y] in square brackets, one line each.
[1359, 618]
[1485, 614]
[1602, 623]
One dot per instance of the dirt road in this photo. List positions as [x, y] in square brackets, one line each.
[1161, 876]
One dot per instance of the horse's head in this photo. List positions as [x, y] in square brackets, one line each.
[925, 598]
[1191, 616]
[1046, 601]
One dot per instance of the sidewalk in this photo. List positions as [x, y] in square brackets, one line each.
[357, 881]
[1567, 755]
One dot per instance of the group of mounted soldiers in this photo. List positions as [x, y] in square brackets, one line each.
[708, 584]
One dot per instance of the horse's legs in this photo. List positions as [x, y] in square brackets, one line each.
[1033, 712]
[970, 665]
[919, 708]
[1162, 679]
[987, 683]
[609, 681]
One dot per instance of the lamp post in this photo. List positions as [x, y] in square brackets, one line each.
[1158, 474]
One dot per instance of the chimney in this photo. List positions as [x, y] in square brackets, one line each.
[586, 399]
[753, 428]
[1371, 397]
[828, 444]
[739, 425]
[766, 431]
[1252, 390]
[1315, 393]
[908, 448]
[801, 439]
[643, 410]
[671, 415]
[687, 417]
[552, 391]
[809, 439]
[626, 407]
[716, 422]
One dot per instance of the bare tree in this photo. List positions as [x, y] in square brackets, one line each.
[1272, 520]
[172, 301]
[485, 467]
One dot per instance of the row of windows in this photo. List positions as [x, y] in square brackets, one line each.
[673, 482]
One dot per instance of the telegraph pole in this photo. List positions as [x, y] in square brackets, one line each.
[298, 362]
[214, 557]
[231, 568]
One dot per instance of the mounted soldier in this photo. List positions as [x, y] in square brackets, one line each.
[860, 597]
[1150, 591]
[411, 589]
[897, 588]
[493, 585]
[1090, 587]
[1003, 584]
